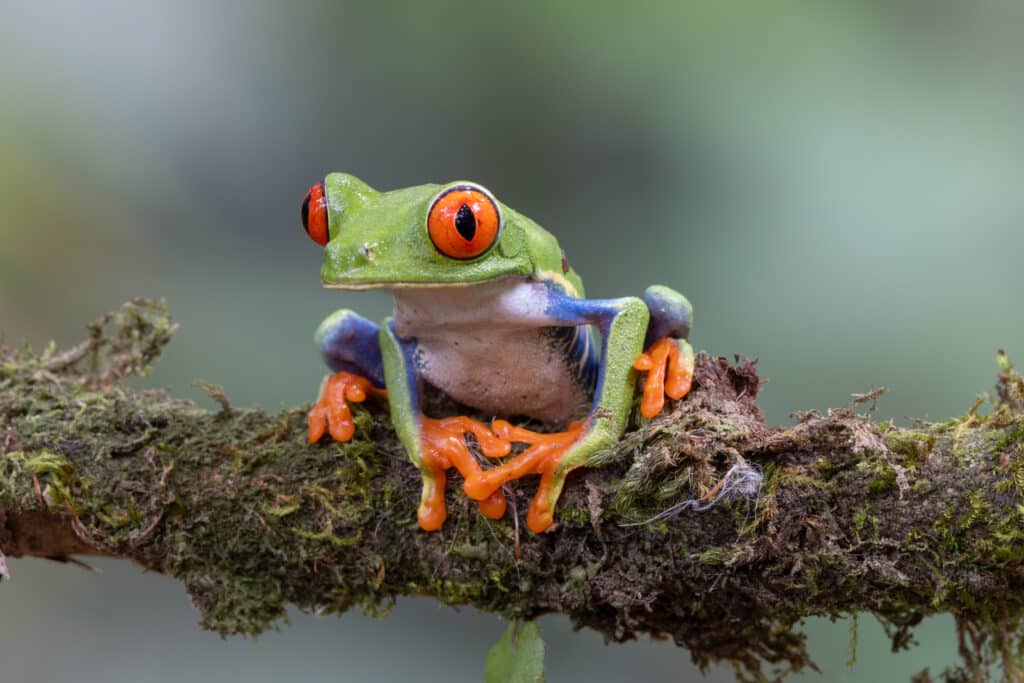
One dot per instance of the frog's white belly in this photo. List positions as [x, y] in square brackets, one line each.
[490, 347]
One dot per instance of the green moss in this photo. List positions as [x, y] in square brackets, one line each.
[912, 445]
[859, 519]
[286, 506]
[1013, 438]
[47, 462]
[804, 481]
[244, 604]
[921, 487]
[577, 515]
[577, 574]
[473, 551]
[953, 523]
[883, 478]
[715, 556]
[1005, 544]
[795, 476]
[328, 535]
[979, 512]
[251, 518]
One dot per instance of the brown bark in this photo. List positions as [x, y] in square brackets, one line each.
[704, 525]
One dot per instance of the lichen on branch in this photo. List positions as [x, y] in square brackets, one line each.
[850, 516]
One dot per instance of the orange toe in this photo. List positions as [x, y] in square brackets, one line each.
[493, 506]
[541, 514]
[542, 457]
[444, 447]
[332, 413]
[433, 512]
[668, 373]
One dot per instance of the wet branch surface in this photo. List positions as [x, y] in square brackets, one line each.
[849, 516]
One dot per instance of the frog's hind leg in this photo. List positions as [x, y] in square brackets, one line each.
[433, 445]
[349, 343]
[350, 347]
[622, 324]
[668, 358]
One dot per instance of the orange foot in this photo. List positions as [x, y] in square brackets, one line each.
[444, 447]
[331, 411]
[669, 372]
[543, 457]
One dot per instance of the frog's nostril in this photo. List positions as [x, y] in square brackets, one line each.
[368, 251]
[314, 214]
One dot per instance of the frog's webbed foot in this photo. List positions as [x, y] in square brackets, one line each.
[549, 455]
[669, 364]
[331, 411]
[350, 348]
[444, 446]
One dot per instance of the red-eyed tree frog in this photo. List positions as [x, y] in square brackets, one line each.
[488, 310]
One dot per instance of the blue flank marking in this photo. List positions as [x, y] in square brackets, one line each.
[577, 343]
[579, 314]
[670, 317]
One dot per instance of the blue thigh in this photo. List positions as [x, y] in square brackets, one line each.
[349, 343]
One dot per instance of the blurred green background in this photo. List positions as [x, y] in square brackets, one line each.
[836, 187]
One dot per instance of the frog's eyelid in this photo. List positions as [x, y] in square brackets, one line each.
[455, 187]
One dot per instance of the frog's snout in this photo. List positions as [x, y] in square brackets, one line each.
[314, 214]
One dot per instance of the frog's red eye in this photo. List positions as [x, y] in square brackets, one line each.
[463, 222]
[314, 214]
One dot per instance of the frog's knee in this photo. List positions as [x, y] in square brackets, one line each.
[671, 314]
[343, 323]
[349, 343]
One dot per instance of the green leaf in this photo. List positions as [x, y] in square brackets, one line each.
[518, 656]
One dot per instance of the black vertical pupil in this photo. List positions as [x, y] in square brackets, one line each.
[465, 222]
[305, 211]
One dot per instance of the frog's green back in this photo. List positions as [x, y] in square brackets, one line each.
[548, 258]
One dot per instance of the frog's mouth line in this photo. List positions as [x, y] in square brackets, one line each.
[410, 284]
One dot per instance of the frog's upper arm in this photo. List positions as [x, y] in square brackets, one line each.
[564, 309]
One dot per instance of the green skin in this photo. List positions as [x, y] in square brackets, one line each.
[380, 240]
[393, 225]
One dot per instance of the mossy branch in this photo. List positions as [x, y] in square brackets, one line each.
[851, 516]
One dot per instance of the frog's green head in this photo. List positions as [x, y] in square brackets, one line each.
[428, 235]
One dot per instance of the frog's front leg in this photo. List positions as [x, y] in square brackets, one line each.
[623, 324]
[434, 445]
[350, 348]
